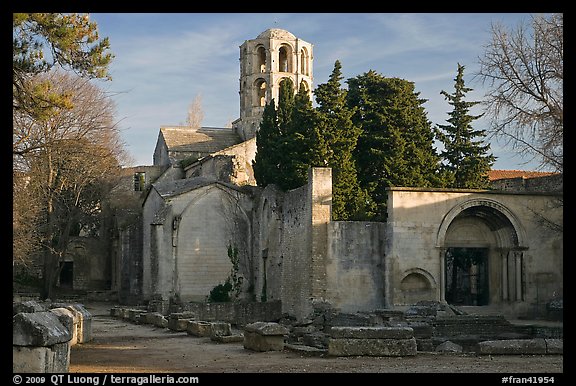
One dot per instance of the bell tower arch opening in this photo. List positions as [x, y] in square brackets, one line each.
[285, 58]
[261, 62]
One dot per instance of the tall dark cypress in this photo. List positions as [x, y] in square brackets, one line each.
[465, 153]
[266, 163]
[339, 136]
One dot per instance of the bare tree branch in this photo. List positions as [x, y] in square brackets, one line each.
[523, 70]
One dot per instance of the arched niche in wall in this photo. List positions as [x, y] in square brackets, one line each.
[416, 285]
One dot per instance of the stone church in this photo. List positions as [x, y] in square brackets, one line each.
[172, 223]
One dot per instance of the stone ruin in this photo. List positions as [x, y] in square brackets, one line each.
[42, 334]
[433, 326]
[427, 326]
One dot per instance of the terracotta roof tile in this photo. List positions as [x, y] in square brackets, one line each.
[494, 175]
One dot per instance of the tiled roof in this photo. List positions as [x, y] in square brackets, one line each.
[204, 140]
[494, 175]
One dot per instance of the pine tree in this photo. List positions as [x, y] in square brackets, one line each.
[465, 152]
[338, 138]
[396, 146]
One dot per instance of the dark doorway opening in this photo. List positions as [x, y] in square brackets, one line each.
[67, 274]
[467, 276]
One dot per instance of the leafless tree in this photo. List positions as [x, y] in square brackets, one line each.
[66, 162]
[523, 69]
[195, 113]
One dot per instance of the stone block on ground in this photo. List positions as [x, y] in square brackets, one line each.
[36, 359]
[221, 329]
[513, 346]
[448, 347]
[178, 325]
[371, 347]
[28, 306]
[227, 338]
[84, 322]
[40, 343]
[38, 329]
[199, 328]
[264, 336]
[554, 346]
[134, 315]
[69, 320]
[158, 320]
[378, 332]
[316, 339]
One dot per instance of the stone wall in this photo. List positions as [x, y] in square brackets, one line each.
[129, 261]
[91, 263]
[355, 265]
[295, 249]
[152, 241]
[232, 165]
[551, 183]
[238, 313]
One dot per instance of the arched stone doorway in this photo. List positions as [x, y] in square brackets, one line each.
[481, 255]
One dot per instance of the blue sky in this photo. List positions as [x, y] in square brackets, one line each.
[163, 60]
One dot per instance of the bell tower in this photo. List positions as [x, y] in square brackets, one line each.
[274, 55]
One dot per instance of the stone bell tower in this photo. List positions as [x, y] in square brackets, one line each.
[274, 55]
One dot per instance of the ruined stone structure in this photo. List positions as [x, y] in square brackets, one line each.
[172, 224]
[469, 248]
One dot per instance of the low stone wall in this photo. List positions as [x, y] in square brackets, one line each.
[235, 313]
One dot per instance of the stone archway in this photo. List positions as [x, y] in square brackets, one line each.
[481, 243]
[417, 284]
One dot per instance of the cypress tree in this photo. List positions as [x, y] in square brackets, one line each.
[300, 144]
[266, 163]
[467, 161]
[396, 145]
[339, 137]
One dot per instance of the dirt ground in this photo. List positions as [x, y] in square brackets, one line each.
[123, 347]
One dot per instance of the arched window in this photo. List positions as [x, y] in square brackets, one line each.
[285, 59]
[260, 87]
[304, 61]
[261, 53]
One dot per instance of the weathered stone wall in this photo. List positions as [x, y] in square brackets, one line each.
[129, 255]
[355, 265]
[153, 246]
[91, 263]
[232, 165]
[238, 313]
[296, 253]
[267, 244]
[160, 156]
